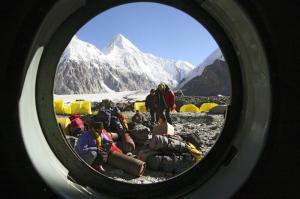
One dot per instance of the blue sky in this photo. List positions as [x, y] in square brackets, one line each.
[153, 28]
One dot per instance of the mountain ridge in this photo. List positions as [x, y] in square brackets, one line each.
[120, 66]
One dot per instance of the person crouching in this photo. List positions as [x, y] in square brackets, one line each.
[94, 145]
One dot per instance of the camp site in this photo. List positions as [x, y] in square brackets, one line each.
[147, 155]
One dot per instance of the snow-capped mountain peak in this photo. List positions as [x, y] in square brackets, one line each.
[120, 66]
[120, 42]
[216, 54]
[197, 71]
[78, 50]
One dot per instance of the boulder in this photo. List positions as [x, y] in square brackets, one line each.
[220, 109]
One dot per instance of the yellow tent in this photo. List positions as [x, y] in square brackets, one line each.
[67, 109]
[63, 122]
[81, 107]
[205, 107]
[140, 106]
[189, 108]
[59, 106]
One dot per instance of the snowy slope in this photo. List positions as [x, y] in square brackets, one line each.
[124, 96]
[121, 52]
[120, 66]
[197, 71]
[78, 50]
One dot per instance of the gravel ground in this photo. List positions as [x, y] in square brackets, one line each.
[207, 127]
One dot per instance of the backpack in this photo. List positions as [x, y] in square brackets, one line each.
[167, 144]
[111, 120]
[192, 138]
[173, 163]
[140, 134]
[105, 117]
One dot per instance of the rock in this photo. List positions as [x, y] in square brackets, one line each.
[215, 136]
[210, 143]
[192, 127]
[145, 181]
[125, 106]
[221, 109]
[213, 127]
[176, 119]
[179, 93]
[186, 125]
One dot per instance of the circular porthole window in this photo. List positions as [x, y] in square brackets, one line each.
[170, 128]
[246, 119]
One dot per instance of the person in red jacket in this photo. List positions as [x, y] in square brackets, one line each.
[165, 101]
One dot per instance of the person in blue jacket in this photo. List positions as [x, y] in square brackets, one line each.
[89, 145]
